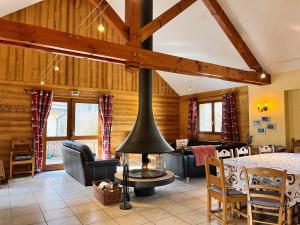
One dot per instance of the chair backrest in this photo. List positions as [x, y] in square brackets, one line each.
[214, 178]
[21, 145]
[266, 149]
[265, 190]
[224, 154]
[243, 151]
[295, 145]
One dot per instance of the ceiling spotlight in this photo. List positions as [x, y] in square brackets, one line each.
[263, 76]
[42, 82]
[56, 68]
[101, 28]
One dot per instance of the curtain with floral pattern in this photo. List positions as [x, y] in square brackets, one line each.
[106, 116]
[41, 102]
[192, 118]
[229, 119]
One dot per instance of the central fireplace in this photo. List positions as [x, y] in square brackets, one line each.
[148, 169]
[144, 149]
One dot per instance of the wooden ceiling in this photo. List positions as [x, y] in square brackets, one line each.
[131, 54]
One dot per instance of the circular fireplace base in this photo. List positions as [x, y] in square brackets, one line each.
[146, 187]
[144, 192]
[146, 174]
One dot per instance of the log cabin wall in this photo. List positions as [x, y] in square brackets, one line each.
[22, 68]
[242, 107]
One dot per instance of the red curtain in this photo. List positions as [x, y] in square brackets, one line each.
[229, 119]
[41, 102]
[106, 115]
[192, 119]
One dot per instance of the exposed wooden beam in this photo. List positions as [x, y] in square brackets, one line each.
[112, 18]
[164, 18]
[132, 20]
[77, 4]
[233, 35]
[53, 41]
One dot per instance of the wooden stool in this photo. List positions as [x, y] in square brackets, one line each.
[2, 173]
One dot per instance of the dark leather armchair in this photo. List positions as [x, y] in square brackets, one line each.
[80, 163]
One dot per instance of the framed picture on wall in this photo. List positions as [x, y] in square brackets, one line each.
[261, 130]
[265, 119]
[256, 123]
[271, 126]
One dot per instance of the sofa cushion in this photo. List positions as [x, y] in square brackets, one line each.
[181, 143]
[84, 149]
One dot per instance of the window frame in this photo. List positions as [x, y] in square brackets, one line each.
[81, 137]
[213, 132]
[61, 138]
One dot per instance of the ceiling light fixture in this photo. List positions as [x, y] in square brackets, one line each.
[101, 28]
[263, 76]
[56, 68]
[42, 82]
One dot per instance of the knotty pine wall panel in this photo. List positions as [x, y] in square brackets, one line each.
[22, 68]
[15, 115]
[242, 107]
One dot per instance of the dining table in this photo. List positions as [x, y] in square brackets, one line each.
[235, 177]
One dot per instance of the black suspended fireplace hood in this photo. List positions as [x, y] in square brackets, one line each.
[145, 137]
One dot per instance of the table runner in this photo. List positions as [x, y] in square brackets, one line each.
[235, 176]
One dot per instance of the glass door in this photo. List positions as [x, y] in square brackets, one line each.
[70, 120]
[85, 124]
[57, 131]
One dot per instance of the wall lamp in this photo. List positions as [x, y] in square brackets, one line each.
[262, 108]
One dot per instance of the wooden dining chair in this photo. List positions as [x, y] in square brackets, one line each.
[266, 149]
[224, 154]
[266, 203]
[217, 189]
[21, 154]
[243, 151]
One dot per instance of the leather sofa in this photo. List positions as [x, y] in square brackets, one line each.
[182, 162]
[82, 165]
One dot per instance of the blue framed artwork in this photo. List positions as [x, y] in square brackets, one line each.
[261, 130]
[265, 119]
[271, 126]
[256, 123]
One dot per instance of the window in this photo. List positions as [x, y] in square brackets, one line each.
[86, 125]
[210, 117]
[70, 120]
[57, 120]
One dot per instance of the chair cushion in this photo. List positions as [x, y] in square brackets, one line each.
[265, 202]
[84, 149]
[230, 191]
[22, 157]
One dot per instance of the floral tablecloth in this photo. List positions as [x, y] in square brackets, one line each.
[235, 176]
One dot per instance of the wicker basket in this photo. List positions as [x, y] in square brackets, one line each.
[108, 196]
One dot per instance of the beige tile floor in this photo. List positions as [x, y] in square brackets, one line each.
[55, 198]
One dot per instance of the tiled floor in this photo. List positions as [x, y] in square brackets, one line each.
[54, 198]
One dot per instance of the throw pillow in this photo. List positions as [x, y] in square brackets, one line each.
[181, 143]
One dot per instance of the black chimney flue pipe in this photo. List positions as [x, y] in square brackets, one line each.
[145, 137]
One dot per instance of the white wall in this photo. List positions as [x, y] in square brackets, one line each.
[274, 95]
